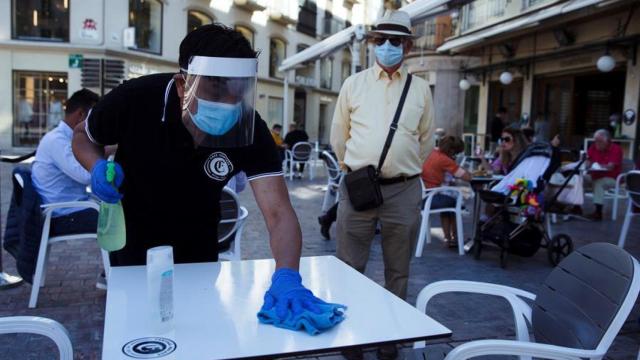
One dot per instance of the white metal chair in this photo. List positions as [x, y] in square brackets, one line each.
[576, 315]
[299, 154]
[46, 240]
[40, 326]
[619, 192]
[425, 224]
[633, 190]
[334, 174]
[232, 220]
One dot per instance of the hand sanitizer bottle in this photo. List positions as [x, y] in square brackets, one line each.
[112, 234]
[160, 288]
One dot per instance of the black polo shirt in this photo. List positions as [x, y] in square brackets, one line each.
[171, 188]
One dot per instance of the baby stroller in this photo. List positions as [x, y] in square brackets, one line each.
[518, 224]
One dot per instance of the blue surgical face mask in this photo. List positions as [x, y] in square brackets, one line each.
[216, 118]
[388, 55]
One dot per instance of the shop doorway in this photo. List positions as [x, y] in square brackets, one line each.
[507, 96]
[300, 109]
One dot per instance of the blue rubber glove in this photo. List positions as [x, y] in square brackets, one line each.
[101, 187]
[288, 294]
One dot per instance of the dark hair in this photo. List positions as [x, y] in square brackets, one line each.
[215, 40]
[451, 145]
[82, 99]
[502, 110]
[276, 126]
[528, 133]
[519, 144]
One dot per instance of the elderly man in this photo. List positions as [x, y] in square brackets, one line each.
[604, 164]
[364, 112]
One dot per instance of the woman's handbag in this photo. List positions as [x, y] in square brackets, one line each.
[363, 187]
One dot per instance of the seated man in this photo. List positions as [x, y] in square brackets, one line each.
[56, 174]
[604, 161]
[276, 130]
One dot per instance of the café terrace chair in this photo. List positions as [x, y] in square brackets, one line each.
[334, 174]
[619, 192]
[22, 179]
[40, 326]
[576, 314]
[301, 153]
[633, 189]
[232, 220]
[424, 235]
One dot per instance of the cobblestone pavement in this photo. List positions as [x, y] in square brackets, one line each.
[70, 295]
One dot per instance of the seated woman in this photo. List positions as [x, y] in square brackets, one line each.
[512, 143]
[438, 164]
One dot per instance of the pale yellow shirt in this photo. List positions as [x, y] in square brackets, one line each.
[364, 111]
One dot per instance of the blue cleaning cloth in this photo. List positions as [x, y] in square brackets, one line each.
[313, 323]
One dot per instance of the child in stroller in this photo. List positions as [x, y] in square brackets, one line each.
[518, 224]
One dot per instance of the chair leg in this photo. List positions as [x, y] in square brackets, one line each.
[460, 232]
[44, 269]
[421, 234]
[106, 264]
[614, 211]
[625, 226]
[37, 276]
[547, 222]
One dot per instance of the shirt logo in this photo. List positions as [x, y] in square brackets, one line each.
[218, 166]
[149, 348]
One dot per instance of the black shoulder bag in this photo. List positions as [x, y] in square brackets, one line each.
[362, 185]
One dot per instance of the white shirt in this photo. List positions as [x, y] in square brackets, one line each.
[56, 174]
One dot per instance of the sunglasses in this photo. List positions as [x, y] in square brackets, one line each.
[506, 139]
[395, 41]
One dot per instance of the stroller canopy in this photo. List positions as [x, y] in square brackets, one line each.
[536, 163]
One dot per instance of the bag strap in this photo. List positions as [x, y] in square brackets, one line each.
[394, 124]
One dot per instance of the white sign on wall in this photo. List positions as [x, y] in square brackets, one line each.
[89, 30]
[129, 37]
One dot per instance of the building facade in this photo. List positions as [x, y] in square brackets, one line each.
[564, 67]
[52, 48]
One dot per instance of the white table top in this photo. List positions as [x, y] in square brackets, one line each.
[215, 308]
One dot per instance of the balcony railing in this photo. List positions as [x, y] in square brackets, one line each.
[480, 13]
[433, 33]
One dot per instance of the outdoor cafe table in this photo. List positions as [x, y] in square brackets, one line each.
[215, 308]
[478, 183]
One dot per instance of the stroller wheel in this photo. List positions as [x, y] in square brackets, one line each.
[503, 258]
[560, 247]
[477, 249]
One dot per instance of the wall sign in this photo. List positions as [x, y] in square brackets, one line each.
[628, 117]
[89, 30]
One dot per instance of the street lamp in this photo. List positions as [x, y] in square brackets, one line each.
[506, 78]
[606, 62]
[464, 84]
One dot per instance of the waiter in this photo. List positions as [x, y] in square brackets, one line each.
[180, 138]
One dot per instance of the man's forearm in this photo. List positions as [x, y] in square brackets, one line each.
[285, 236]
[86, 152]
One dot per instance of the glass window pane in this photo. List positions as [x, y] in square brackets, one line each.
[146, 17]
[277, 53]
[246, 32]
[275, 111]
[38, 105]
[46, 20]
[195, 19]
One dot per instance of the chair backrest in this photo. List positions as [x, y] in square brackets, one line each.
[41, 326]
[330, 162]
[302, 151]
[229, 213]
[586, 298]
[633, 186]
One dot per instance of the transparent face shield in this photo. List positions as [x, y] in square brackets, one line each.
[219, 101]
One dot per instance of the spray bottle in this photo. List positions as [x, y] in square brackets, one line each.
[112, 233]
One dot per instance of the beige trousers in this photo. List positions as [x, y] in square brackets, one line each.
[600, 186]
[398, 217]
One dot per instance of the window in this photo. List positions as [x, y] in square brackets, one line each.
[326, 69]
[196, 18]
[307, 14]
[277, 53]
[246, 32]
[44, 20]
[345, 71]
[37, 107]
[275, 111]
[146, 17]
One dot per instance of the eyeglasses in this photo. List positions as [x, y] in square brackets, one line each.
[506, 139]
[395, 41]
